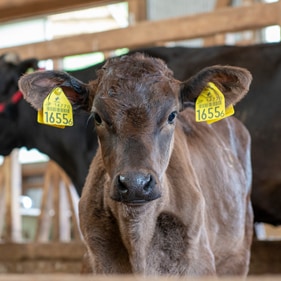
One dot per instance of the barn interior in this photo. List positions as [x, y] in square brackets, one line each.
[39, 227]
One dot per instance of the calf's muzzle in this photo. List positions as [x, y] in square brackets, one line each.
[135, 188]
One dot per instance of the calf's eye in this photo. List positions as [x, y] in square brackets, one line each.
[172, 117]
[97, 119]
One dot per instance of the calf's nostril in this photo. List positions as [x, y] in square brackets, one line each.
[147, 184]
[122, 185]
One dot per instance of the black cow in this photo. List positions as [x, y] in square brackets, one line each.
[11, 68]
[259, 111]
[19, 127]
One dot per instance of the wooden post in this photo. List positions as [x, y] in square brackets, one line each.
[16, 193]
[58, 64]
[10, 191]
[64, 213]
[58, 220]
[56, 205]
[137, 11]
[73, 200]
[44, 220]
[217, 39]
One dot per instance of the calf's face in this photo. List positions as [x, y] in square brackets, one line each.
[135, 109]
[135, 102]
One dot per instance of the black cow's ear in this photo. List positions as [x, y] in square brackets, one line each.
[24, 65]
[38, 85]
[233, 82]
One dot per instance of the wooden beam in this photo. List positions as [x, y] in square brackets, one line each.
[77, 277]
[30, 258]
[20, 9]
[23, 251]
[137, 11]
[152, 32]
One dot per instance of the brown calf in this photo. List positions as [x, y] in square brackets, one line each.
[164, 194]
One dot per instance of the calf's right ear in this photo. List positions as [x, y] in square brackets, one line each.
[37, 86]
[233, 82]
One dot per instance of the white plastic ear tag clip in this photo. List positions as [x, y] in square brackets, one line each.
[210, 105]
[57, 110]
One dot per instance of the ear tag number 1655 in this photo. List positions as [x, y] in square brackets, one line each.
[57, 110]
[210, 105]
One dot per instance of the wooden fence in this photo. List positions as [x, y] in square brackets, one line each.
[57, 245]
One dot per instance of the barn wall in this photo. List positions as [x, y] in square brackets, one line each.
[157, 10]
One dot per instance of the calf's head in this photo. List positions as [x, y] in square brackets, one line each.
[135, 102]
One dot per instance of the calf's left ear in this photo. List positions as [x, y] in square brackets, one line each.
[233, 82]
[37, 86]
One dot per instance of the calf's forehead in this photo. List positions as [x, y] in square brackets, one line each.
[135, 66]
[136, 80]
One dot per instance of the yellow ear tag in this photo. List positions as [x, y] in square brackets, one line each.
[210, 105]
[57, 110]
